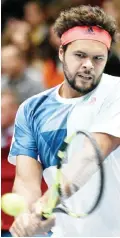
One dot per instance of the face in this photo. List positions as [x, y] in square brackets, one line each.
[11, 63]
[32, 14]
[20, 35]
[83, 64]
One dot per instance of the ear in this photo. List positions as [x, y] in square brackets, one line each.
[61, 53]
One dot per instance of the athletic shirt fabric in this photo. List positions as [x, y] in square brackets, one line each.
[41, 124]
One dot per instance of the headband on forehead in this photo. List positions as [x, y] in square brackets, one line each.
[86, 33]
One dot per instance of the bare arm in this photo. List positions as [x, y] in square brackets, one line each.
[27, 183]
[106, 143]
[28, 179]
[83, 171]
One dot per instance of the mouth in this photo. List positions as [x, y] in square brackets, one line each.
[85, 77]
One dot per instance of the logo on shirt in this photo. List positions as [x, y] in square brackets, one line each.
[93, 100]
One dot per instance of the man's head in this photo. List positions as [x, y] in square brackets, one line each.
[86, 35]
[9, 106]
[12, 61]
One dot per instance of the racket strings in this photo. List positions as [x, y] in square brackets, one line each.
[79, 173]
[80, 178]
[72, 177]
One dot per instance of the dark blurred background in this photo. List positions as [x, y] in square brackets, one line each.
[30, 64]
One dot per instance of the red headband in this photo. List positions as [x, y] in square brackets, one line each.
[86, 33]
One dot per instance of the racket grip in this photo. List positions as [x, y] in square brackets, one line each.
[43, 218]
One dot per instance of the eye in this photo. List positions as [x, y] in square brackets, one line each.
[98, 58]
[80, 55]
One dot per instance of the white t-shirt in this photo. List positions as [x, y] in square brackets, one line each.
[98, 113]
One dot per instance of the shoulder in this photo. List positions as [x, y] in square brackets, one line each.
[109, 93]
[34, 102]
[112, 84]
[108, 85]
[111, 81]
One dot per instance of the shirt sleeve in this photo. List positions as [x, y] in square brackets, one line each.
[108, 117]
[23, 142]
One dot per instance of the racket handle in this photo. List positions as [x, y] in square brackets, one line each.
[43, 218]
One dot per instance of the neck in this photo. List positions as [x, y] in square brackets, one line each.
[67, 92]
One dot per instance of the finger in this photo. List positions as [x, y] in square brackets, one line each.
[31, 224]
[14, 229]
[48, 224]
[19, 227]
[35, 225]
[13, 232]
[16, 232]
[27, 224]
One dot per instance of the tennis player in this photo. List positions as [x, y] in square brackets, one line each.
[88, 99]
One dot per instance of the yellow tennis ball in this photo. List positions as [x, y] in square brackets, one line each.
[13, 204]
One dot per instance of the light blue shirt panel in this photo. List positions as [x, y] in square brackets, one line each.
[40, 128]
[24, 142]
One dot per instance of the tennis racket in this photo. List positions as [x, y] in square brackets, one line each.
[71, 201]
[71, 149]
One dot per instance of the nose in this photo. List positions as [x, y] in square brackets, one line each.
[87, 64]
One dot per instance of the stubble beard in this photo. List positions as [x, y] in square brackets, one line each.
[71, 80]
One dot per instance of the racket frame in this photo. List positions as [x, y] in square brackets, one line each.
[56, 187]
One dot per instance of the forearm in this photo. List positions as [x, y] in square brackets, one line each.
[81, 173]
[30, 193]
[28, 179]
[74, 170]
[84, 165]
